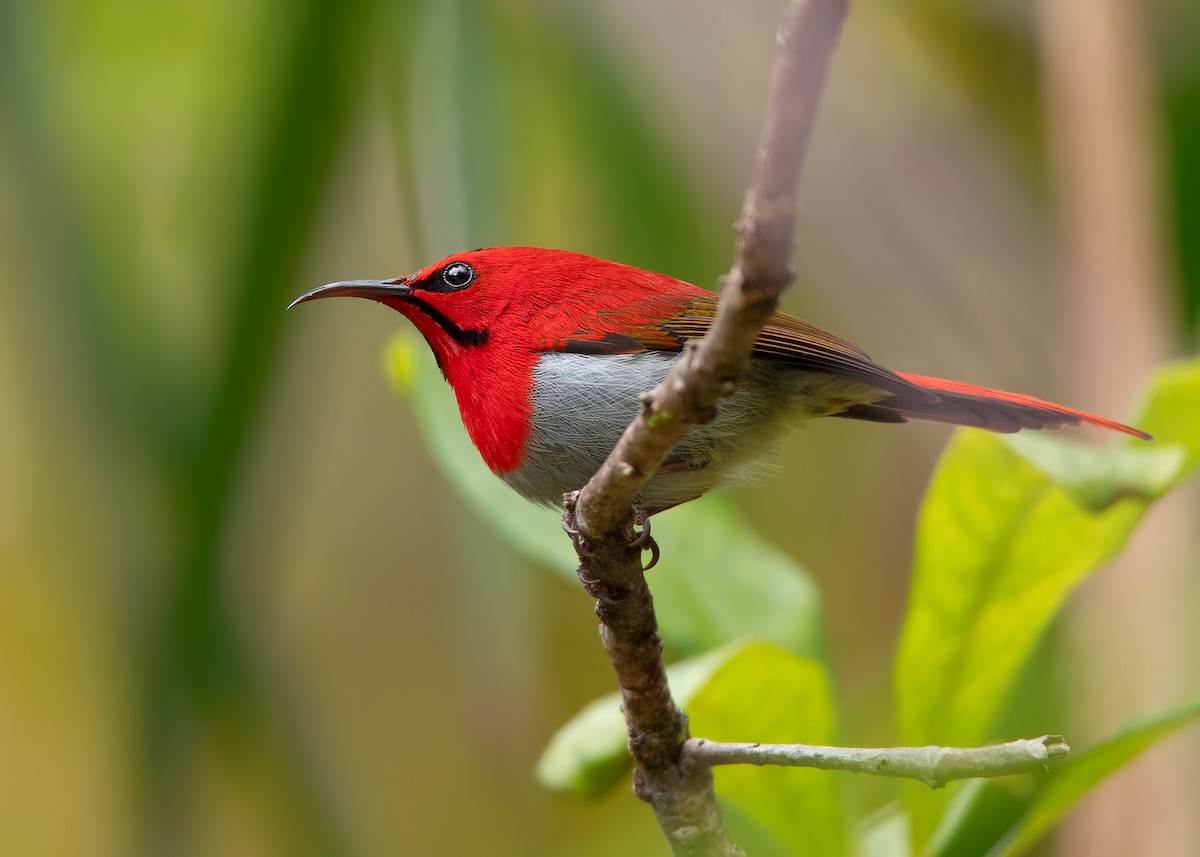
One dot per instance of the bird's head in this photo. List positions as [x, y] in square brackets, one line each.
[517, 296]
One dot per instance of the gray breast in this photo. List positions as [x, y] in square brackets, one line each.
[582, 403]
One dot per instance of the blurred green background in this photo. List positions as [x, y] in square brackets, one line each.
[240, 610]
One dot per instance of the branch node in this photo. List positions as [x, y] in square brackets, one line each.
[657, 419]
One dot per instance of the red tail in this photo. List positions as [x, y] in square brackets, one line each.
[968, 405]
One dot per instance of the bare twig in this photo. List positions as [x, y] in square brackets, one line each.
[934, 766]
[601, 514]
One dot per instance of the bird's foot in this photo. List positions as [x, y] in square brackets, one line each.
[641, 539]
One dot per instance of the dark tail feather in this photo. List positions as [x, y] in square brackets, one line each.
[966, 405]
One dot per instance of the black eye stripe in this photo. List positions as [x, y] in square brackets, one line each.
[464, 336]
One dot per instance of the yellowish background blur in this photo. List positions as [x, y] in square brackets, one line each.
[240, 612]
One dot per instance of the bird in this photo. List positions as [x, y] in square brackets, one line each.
[548, 351]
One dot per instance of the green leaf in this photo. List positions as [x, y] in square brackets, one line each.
[717, 581]
[980, 813]
[1000, 546]
[1073, 779]
[720, 581]
[884, 833]
[1172, 410]
[1097, 477]
[589, 755]
[750, 835]
[763, 693]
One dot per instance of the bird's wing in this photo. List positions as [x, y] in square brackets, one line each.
[808, 348]
[784, 338]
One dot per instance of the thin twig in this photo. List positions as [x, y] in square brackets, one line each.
[601, 514]
[934, 766]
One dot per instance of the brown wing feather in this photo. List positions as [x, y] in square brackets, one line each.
[802, 345]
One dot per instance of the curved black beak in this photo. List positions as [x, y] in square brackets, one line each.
[373, 289]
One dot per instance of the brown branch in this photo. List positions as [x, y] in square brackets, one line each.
[934, 766]
[602, 514]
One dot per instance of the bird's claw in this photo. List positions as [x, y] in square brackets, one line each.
[652, 546]
[568, 525]
[641, 518]
[643, 539]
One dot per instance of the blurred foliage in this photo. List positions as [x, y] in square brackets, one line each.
[993, 53]
[197, 666]
[1179, 73]
[232, 588]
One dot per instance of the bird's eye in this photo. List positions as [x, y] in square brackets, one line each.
[458, 275]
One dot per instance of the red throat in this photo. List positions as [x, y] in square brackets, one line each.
[492, 383]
